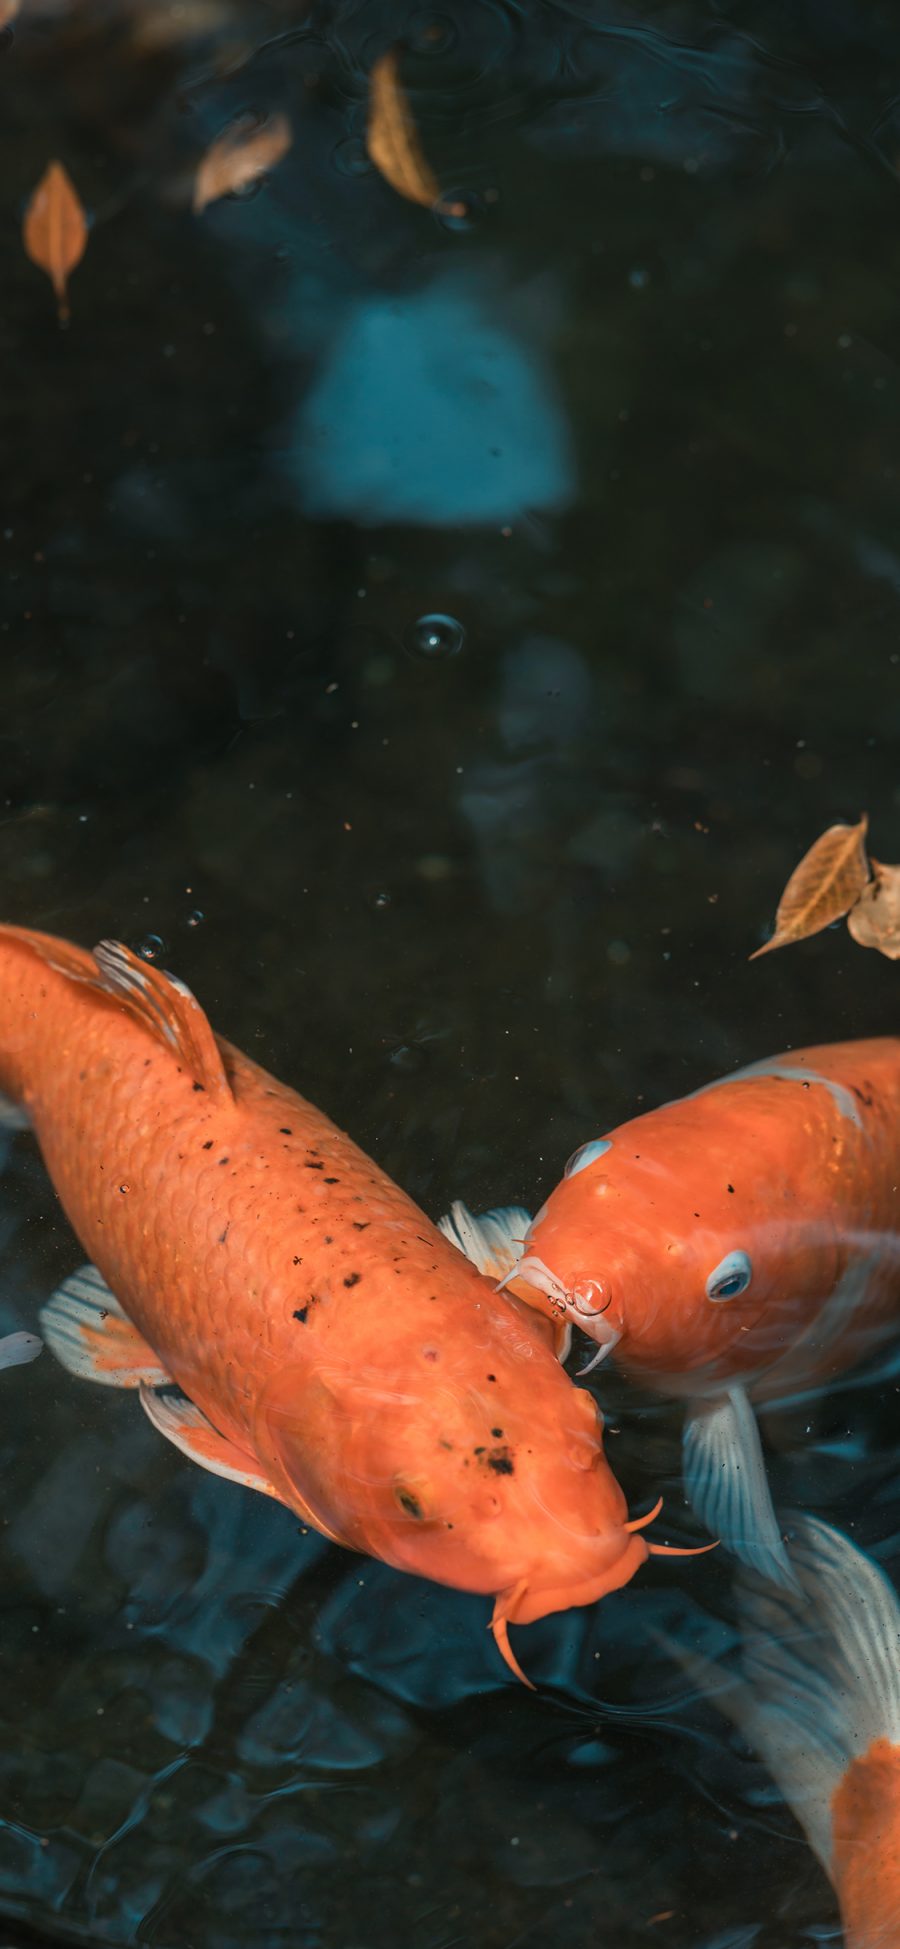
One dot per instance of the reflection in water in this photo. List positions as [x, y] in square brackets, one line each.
[431, 409]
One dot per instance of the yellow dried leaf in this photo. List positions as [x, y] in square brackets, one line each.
[54, 230]
[392, 140]
[875, 920]
[243, 152]
[825, 885]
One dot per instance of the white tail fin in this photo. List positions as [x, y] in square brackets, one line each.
[821, 1666]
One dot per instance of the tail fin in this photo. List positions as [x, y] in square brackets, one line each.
[821, 1671]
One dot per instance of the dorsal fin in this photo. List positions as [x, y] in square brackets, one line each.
[158, 1001]
[165, 1006]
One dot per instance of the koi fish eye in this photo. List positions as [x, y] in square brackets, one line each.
[580, 1159]
[592, 1297]
[732, 1276]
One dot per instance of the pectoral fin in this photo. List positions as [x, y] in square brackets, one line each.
[16, 1349]
[492, 1242]
[187, 1427]
[85, 1327]
[725, 1479]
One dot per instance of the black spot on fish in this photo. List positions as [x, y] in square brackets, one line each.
[361, 1224]
[298, 1261]
[284, 1131]
[81, 1075]
[331, 1180]
[199, 1086]
[496, 1432]
[729, 1187]
[501, 1461]
[315, 1167]
[353, 1279]
[491, 1377]
[208, 1144]
[301, 1314]
[861, 1095]
[224, 1160]
[478, 1451]
[410, 1503]
[328, 1239]
[224, 1235]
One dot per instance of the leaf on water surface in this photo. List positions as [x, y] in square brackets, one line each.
[54, 230]
[825, 885]
[875, 920]
[392, 140]
[239, 156]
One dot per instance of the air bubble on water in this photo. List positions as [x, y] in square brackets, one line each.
[350, 157]
[460, 210]
[150, 947]
[430, 34]
[196, 919]
[381, 900]
[437, 636]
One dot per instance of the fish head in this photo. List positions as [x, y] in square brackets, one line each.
[492, 1481]
[658, 1262]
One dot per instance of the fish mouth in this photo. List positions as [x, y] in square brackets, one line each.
[580, 1304]
[527, 1601]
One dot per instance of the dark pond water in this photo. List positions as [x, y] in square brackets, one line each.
[480, 886]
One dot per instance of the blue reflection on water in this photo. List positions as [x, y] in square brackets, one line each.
[432, 408]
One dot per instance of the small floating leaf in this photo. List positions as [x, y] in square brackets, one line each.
[54, 230]
[825, 885]
[239, 156]
[392, 140]
[875, 920]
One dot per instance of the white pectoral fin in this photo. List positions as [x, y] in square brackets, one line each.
[822, 1678]
[188, 1428]
[493, 1242]
[85, 1327]
[725, 1479]
[16, 1349]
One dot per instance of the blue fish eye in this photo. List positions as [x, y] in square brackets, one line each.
[580, 1159]
[731, 1277]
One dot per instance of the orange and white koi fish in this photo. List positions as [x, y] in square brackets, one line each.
[819, 1698]
[291, 1319]
[738, 1245]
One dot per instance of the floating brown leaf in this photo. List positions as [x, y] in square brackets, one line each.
[825, 885]
[241, 154]
[393, 142]
[875, 920]
[54, 230]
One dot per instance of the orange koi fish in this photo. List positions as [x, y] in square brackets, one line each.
[290, 1318]
[819, 1698]
[737, 1245]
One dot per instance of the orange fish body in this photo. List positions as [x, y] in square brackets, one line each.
[333, 1350]
[742, 1242]
[819, 1697]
